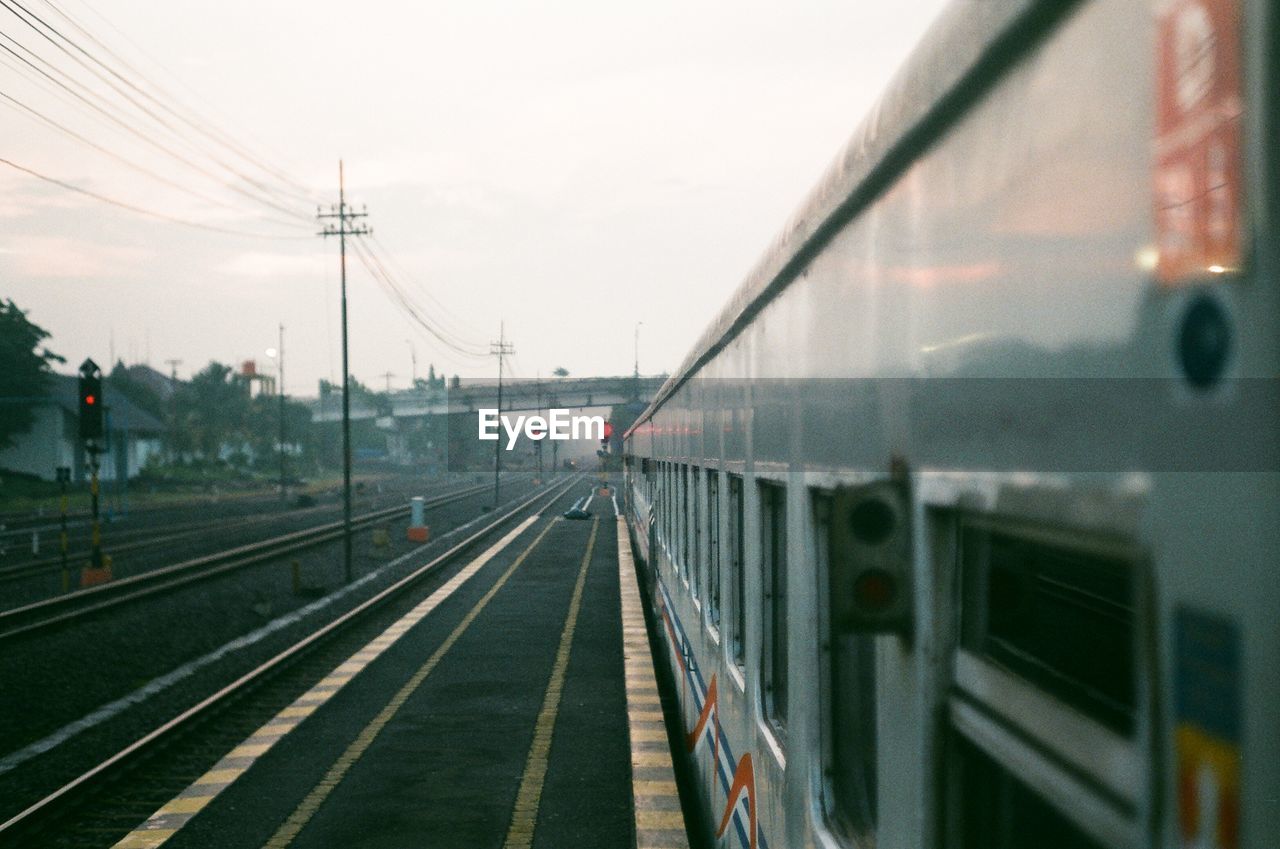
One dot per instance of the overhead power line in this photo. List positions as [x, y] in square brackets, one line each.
[66, 45]
[397, 294]
[210, 127]
[128, 163]
[382, 260]
[413, 311]
[150, 213]
[132, 130]
[379, 249]
[269, 192]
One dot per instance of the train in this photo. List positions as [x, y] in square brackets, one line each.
[959, 522]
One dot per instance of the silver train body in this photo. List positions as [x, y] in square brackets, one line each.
[1030, 316]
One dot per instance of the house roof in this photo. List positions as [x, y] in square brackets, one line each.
[158, 382]
[122, 414]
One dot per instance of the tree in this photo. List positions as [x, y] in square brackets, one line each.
[211, 411]
[561, 372]
[432, 381]
[25, 370]
[262, 429]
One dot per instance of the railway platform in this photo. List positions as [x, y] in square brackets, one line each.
[514, 705]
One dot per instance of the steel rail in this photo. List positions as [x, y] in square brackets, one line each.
[60, 610]
[157, 536]
[185, 719]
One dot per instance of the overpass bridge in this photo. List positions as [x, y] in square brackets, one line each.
[438, 426]
[517, 395]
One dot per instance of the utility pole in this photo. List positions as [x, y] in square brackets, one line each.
[280, 374]
[348, 225]
[637, 342]
[173, 407]
[502, 348]
[636, 377]
[386, 375]
[413, 358]
[537, 446]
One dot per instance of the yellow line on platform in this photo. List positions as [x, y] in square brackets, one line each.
[308, 807]
[655, 799]
[525, 817]
[166, 822]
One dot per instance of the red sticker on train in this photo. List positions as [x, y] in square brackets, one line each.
[1199, 100]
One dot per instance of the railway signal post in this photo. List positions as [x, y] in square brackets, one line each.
[91, 433]
[64, 478]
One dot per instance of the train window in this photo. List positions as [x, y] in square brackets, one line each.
[647, 466]
[674, 474]
[849, 720]
[1024, 589]
[664, 498]
[999, 812]
[695, 531]
[684, 522]
[713, 548]
[675, 519]
[672, 518]
[737, 574]
[659, 505]
[773, 601]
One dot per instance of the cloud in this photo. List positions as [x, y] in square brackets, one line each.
[54, 257]
[25, 197]
[263, 265]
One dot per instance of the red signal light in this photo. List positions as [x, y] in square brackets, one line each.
[875, 590]
[608, 429]
[90, 400]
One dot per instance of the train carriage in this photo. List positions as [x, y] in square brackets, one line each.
[960, 519]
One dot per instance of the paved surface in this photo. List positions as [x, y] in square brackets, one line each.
[658, 818]
[493, 715]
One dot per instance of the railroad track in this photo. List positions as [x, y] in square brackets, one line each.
[25, 521]
[151, 537]
[64, 609]
[126, 787]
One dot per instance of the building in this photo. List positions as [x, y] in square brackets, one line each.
[163, 385]
[133, 437]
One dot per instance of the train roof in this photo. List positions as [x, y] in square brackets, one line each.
[962, 50]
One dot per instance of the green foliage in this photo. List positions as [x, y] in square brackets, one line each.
[214, 416]
[25, 367]
[561, 372]
[262, 433]
[431, 382]
[211, 411]
[361, 395]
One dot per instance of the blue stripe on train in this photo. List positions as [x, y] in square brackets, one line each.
[699, 689]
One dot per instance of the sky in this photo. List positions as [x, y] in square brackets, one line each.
[562, 170]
